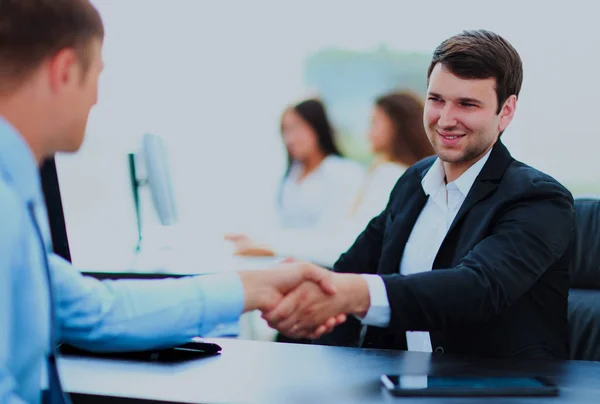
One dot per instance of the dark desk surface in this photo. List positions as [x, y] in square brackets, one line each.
[250, 371]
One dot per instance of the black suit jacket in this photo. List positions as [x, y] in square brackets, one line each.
[499, 285]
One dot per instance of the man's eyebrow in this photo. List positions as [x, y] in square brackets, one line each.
[462, 100]
[467, 100]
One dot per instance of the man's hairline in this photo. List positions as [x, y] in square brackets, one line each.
[498, 107]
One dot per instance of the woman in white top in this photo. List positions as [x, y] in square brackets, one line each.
[398, 140]
[319, 185]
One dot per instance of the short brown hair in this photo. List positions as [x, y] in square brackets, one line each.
[405, 110]
[482, 54]
[34, 30]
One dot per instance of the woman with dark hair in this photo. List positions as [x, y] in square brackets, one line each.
[319, 185]
[397, 133]
[398, 140]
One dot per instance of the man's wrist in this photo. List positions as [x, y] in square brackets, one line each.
[251, 295]
[356, 292]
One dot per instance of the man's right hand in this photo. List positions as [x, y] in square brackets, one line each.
[265, 289]
[303, 312]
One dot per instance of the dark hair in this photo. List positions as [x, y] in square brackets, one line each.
[313, 112]
[405, 110]
[34, 30]
[482, 54]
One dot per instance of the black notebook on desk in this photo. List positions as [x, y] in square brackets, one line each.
[176, 354]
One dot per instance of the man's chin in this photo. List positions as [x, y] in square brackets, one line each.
[72, 147]
[450, 156]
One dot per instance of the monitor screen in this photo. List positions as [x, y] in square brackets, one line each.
[56, 218]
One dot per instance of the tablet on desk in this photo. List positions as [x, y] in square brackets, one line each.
[458, 386]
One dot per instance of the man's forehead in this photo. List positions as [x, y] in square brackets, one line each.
[442, 81]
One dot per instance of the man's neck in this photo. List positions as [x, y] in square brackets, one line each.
[453, 171]
[16, 111]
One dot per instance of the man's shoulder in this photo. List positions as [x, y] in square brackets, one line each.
[421, 167]
[9, 199]
[522, 178]
[10, 214]
[412, 176]
[418, 170]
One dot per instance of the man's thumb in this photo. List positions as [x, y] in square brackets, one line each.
[321, 276]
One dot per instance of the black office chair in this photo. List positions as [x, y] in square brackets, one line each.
[584, 295]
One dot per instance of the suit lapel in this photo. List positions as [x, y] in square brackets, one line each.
[409, 208]
[403, 221]
[487, 181]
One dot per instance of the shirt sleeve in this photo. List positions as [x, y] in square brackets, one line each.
[379, 310]
[9, 225]
[141, 314]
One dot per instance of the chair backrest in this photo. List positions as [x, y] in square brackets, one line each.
[585, 267]
[584, 296]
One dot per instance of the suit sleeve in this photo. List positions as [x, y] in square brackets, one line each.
[530, 235]
[362, 258]
[363, 255]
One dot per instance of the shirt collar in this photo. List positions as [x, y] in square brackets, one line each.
[434, 180]
[18, 165]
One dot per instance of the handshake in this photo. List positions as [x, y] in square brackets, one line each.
[302, 300]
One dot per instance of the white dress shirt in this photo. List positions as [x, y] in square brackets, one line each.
[324, 195]
[424, 241]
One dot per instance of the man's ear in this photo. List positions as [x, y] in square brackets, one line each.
[507, 112]
[63, 69]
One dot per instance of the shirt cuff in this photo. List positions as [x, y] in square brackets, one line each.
[223, 299]
[379, 311]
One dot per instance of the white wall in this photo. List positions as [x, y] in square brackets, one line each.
[212, 78]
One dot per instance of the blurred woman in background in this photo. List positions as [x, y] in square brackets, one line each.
[398, 140]
[318, 182]
[319, 185]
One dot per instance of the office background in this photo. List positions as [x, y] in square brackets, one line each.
[213, 78]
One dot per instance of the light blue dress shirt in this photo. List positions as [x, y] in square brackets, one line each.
[94, 315]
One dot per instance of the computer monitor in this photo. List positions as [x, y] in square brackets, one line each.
[58, 229]
[56, 217]
[150, 167]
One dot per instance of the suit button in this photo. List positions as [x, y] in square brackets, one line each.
[439, 350]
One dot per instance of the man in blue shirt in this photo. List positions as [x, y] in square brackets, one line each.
[50, 61]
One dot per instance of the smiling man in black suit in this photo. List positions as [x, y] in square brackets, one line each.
[471, 254]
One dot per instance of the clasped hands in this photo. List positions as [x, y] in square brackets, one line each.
[302, 300]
